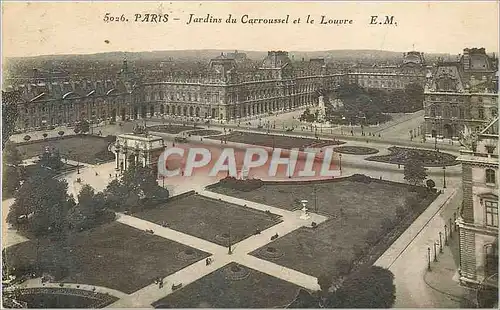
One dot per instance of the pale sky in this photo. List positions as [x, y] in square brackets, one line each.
[78, 28]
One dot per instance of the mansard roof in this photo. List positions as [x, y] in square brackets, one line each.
[448, 77]
[276, 60]
[69, 90]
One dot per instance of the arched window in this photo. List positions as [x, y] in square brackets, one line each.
[490, 176]
[433, 111]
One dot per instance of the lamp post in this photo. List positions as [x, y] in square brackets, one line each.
[455, 220]
[435, 252]
[340, 161]
[315, 200]
[444, 176]
[449, 228]
[230, 250]
[428, 258]
[445, 234]
[440, 242]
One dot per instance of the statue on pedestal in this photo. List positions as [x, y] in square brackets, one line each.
[305, 212]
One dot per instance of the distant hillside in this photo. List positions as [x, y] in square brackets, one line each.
[205, 55]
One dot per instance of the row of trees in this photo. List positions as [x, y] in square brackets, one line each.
[358, 107]
[369, 287]
[367, 106]
[307, 116]
[42, 205]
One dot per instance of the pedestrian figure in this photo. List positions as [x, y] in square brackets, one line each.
[381, 177]
[207, 262]
[399, 166]
[110, 175]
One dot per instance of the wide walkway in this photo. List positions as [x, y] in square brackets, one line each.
[220, 255]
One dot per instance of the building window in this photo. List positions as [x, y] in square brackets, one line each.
[494, 112]
[491, 213]
[481, 113]
[490, 176]
[461, 112]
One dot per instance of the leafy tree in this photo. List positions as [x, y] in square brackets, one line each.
[45, 135]
[51, 159]
[27, 138]
[90, 211]
[415, 94]
[76, 129]
[41, 205]
[82, 126]
[138, 186]
[370, 287]
[414, 170]
[60, 133]
[12, 172]
[9, 114]
[430, 184]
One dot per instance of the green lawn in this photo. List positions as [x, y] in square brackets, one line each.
[215, 290]
[112, 255]
[355, 209]
[83, 148]
[208, 218]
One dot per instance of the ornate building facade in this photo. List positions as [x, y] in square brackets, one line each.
[224, 91]
[478, 221]
[461, 93]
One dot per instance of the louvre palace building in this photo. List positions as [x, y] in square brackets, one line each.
[462, 93]
[224, 91]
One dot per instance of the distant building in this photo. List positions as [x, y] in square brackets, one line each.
[412, 69]
[226, 89]
[461, 93]
[478, 220]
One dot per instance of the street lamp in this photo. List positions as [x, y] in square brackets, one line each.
[440, 242]
[315, 200]
[230, 250]
[445, 234]
[435, 252]
[449, 228]
[340, 161]
[444, 176]
[429, 258]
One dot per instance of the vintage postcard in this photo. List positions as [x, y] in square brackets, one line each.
[250, 154]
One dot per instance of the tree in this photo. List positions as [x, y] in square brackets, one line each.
[82, 126]
[44, 135]
[138, 186]
[414, 170]
[10, 100]
[60, 133]
[27, 138]
[415, 96]
[51, 159]
[370, 287]
[41, 205]
[12, 172]
[430, 184]
[90, 211]
[76, 129]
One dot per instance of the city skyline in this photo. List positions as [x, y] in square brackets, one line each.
[48, 29]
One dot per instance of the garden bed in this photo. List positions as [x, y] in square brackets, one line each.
[430, 158]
